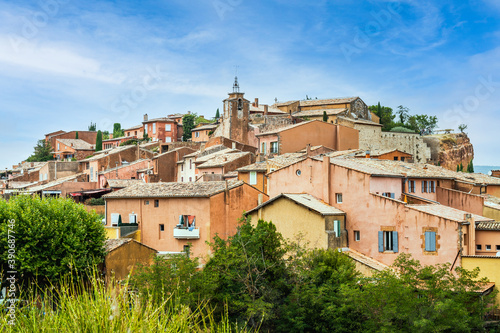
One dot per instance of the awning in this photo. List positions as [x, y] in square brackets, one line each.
[75, 194]
[51, 192]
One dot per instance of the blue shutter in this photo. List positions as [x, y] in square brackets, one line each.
[395, 241]
[427, 241]
[432, 240]
[380, 241]
[423, 182]
[393, 195]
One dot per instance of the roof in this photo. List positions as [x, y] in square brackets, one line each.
[286, 103]
[222, 159]
[207, 151]
[257, 166]
[171, 151]
[353, 164]
[20, 185]
[174, 190]
[113, 244]
[107, 152]
[448, 212]
[318, 113]
[120, 138]
[162, 119]
[205, 127]
[381, 152]
[491, 201]
[363, 122]
[54, 183]
[77, 144]
[365, 260]
[282, 129]
[341, 100]
[124, 165]
[488, 226]
[121, 183]
[270, 109]
[133, 128]
[305, 200]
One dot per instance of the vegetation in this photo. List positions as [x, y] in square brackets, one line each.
[76, 135]
[325, 116]
[130, 142]
[415, 123]
[42, 152]
[402, 129]
[105, 135]
[201, 120]
[92, 127]
[470, 167]
[98, 142]
[217, 114]
[95, 202]
[117, 131]
[462, 128]
[53, 237]
[188, 123]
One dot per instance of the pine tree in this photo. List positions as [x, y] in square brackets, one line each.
[325, 116]
[76, 135]
[98, 142]
[217, 114]
[92, 126]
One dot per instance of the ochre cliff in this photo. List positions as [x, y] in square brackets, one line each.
[449, 150]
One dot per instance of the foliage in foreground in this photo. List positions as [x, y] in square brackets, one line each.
[81, 307]
[50, 238]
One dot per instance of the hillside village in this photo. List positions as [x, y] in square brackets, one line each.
[323, 169]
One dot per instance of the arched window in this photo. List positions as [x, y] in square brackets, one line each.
[240, 104]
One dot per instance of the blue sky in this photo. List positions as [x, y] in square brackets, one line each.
[67, 63]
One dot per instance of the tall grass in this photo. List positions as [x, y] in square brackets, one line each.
[92, 307]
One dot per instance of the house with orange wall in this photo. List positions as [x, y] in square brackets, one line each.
[162, 129]
[135, 131]
[174, 216]
[202, 132]
[295, 137]
[67, 149]
[378, 225]
[124, 171]
[115, 142]
[392, 155]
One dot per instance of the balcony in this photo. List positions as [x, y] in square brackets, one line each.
[185, 233]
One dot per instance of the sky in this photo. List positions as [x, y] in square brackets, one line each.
[65, 64]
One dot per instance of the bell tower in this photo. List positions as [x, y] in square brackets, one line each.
[236, 114]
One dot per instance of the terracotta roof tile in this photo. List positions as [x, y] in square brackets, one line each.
[447, 212]
[318, 113]
[77, 144]
[488, 226]
[221, 160]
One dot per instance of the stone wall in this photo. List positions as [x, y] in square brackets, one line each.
[449, 150]
[407, 142]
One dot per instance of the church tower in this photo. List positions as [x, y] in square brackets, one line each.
[236, 114]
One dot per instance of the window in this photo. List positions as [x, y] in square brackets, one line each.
[168, 128]
[135, 133]
[186, 222]
[389, 195]
[162, 227]
[146, 202]
[479, 247]
[263, 148]
[190, 164]
[411, 186]
[253, 178]
[91, 174]
[357, 235]
[338, 196]
[424, 186]
[388, 241]
[168, 139]
[430, 241]
[132, 218]
[498, 247]
[336, 228]
[182, 179]
[432, 187]
[488, 247]
[145, 129]
[157, 203]
[190, 179]
[154, 128]
[274, 147]
[298, 172]
[395, 158]
[58, 146]
[197, 134]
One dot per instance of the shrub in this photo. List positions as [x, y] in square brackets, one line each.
[402, 129]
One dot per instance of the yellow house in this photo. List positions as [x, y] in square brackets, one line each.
[489, 268]
[319, 224]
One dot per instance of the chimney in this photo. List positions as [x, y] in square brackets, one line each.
[146, 117]
[189, 112]
[367, 154]
[259, 199]
[266, 109]
[111, 134]
[256, 103]
[308, 149]
[425, 166]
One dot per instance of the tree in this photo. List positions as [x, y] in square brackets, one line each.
[385, 114]
[76, 135]
[470, 167]
[403, 113]
[105, 135]
[248, 273]
[188, 123]
[98, 141]
[92, 127]
[217, 114]
[117, 130]
[325, 116]
[42, 153]
[53, 237]
[462, 128]
[422, 123]
[413, 298]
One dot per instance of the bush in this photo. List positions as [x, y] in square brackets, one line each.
[402, 129]
[95, 202]
[129, 142]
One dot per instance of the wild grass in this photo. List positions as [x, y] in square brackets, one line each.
[93, 307]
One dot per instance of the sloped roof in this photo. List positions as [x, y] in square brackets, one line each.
[341, 100]
[365, 260]
[305, 200]
[448, 212]
[221, 160]
[381, 152]
[257, 166]
[270, 109]
[122, 183]
[494, 226]
[286, 128]
[318, 113]
[205, 127]
[162, 119]
[174, 190]
[363, 122]
[363, 167]
[133, 128]
[54, 183]
[77, 144]
[104, 153]
[123, 166]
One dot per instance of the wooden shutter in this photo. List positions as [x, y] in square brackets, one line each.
[395, 241]
[380, 241]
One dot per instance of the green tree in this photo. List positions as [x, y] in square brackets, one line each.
[422, 123]
[385, 114]
[413, 298]
[98, 141]
[76, 135]
[117, 130]
[92, 127]
[188, 123]
[105, 135]
[462, 128]
[52, 237]
[217, 114]
[42, 153]
[248, 272]
[403, 113]
[325, 116]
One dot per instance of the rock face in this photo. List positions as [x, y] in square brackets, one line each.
[449, 150]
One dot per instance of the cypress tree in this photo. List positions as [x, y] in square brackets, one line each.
[217, 114]
[98, 142]
[76, 136]
[325, 116]
[458, 167]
